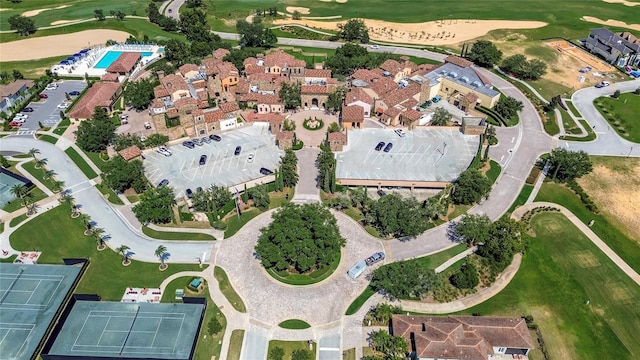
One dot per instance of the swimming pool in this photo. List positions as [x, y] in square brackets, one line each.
[112, 56]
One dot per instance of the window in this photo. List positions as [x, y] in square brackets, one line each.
[201, 131]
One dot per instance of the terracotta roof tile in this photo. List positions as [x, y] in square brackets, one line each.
[172, 113]
[125, 62]
[173, 83]
[268, 99]
[337, 137]
[392, 112]
[352, 113]
[157, 104]
[318, 73]
[100, 94]
[284, 135]
[365, 75]
[131, 152]
[397, 96]
[391, 66]
[229, 106]
[160, 91]
[259, 76]
[213, 116]
[272, 118]
[220, 53]
[358, 94]
[199, 84]
[411, 114]
[314, 89]
[111, 77]
[186, 101]
[184, 69]
[456, 60]
[383, 86]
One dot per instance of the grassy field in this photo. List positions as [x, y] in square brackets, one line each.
[522, 197]
[294, 324]
[169, 235]
[30, 167]
[290, 346]
[228, 291]
[48, 138]
[235, 345]
[105, 276]
[17, 220]
[560, 272]
[235, 223]
[80, 163]
[111, 196]
[622, 114]
[572, 108]
[604, 224]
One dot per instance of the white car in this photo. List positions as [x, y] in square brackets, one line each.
[399, 132]
[20, 116]
[19, 120]
[147, 125]
[374, 47]
[63, 106]
[53, 86]
[164, 151]
[250, 157]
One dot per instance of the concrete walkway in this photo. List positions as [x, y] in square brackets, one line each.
[587, 232]
[445, 265]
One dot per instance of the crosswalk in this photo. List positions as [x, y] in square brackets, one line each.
[25, 132]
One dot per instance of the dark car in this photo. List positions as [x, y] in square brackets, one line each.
[74, 93]
[379, 256]
[265, 171]
[44, 96]
[189, 193]
[162, 183]
[215, 137]
[381, 193]
[380, 146]
[238, 150]
[203, 159]
[189, 144]
[388, 147]
[199, 189]
[27, 109]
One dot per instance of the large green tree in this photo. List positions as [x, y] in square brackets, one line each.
[155, 206]
[336, 98]
[255, 34]
[441, 117]
[354, 30]
[470, 187]
[260, 196]
[211, 199]
[485, 53]
[523, 68]
[290, 94]
[393, 215]
[139, 93]
[404, 280]
[393, 347]
[566, 165]
[121, 175]
[22, 25]
[466, 277]
[472, 229]
[300, 238]
[508, 107]
[96, 133]
[289, 168]
[326, 163]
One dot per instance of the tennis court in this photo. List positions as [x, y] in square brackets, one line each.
[30, 296]
[126, 330]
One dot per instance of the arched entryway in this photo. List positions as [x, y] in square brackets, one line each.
[314, 102]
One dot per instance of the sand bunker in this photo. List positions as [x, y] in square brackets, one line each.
[431, 33]
[60, 22]
[56, 45]
[611, 22]
[623, 2]
[301, 10]
[4, 9]
[36, 12]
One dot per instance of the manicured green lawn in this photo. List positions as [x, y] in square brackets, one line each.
[36, 195]
[234, 223]
[59, 236]
[30, 167]
[561, 271]
[48, 138]
[96, 159]
[622, 114]
[17, 220]
[494, 171]
[80, 163]
[279, 199]
[551, 124]
[290, 346]
[428, 262]
[625, 247]
[111, 196]
[522, 197]
[227, 290]
[295, 324]
[235, 345]
[306, 279]
[590, 134]
[62, 126]
[570, 126]
[572, 108]
[170, 235]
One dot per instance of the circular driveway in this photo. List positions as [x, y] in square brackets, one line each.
[312, 138]
[271, 301]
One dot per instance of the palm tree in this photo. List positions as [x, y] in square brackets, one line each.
[40, 163]
[33, 152]
[20, 191]
[57, 186]
[31, 206]
[161, 253]
[49, 174]
[124, 251]
[97, 233]
[86, 219]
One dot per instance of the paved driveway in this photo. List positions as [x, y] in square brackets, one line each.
[307, 190]
[312, 138]
[45, 110]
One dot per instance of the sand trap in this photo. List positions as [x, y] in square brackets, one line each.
[57, 45]
[36, 12]
[431, 33]
[60, 22]
[611, 22]
[623, 2]
[301, 10]
[341, 1]
[4, 9]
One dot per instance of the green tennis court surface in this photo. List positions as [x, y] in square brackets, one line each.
[129, 330]
[30, 295]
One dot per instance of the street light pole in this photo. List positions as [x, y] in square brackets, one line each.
[630, 150]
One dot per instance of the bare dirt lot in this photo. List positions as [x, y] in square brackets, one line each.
[614, 186]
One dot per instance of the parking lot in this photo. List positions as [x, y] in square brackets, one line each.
[46, 111]
[424, 154]
[222, 167]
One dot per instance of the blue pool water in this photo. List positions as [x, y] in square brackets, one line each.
[112, 56]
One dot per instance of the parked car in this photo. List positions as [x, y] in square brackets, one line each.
[381, 193]
[400, 132]
[20, 116]
[163, 151]
[238, 150]
[147, 125]
[74, 93]
[602, 84]
[197, 142]
[388, 147]
[377, 257]
[250, 157]
[206, 139]
[162, 183]
[20, 120]
[189, 144]
[44, 96]
[265, 171]
[215, 137]
[374, 47]
[28, 109]
[15, 124]
[189, 193]
[203, 159]
[380, 146]
[63, 106]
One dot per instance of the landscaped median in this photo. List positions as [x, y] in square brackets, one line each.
[171, 235]
[80, 163]
[228, 291]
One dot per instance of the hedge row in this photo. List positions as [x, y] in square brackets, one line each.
[584, 197]
[492, 113]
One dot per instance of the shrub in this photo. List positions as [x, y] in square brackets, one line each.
[466, 278]
[616, 94]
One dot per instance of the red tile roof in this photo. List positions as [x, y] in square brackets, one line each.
[397, 96]
[172, 113]
[268, 99]
[213, 116]
[391, 66]
[282, 59]
[157, 104]
[112, 77]
[259, 76]
[383, 86]
[220, 53]
[184, 69]
[392, 112]
[125, 62]
[411, 114]
[131, 152]
[173, 83]
[352, 113]
[365, 74]
[317, 73]
[100, 94]
[314, 89]
[456, 60]
[230, 106]
[199, 84]
[160, 91]
[185, 101]
[272, 118]
[284, 135]
[357, 94]
[337, 137]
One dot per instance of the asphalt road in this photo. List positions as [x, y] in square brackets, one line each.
[607, 141]
[46, 111]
